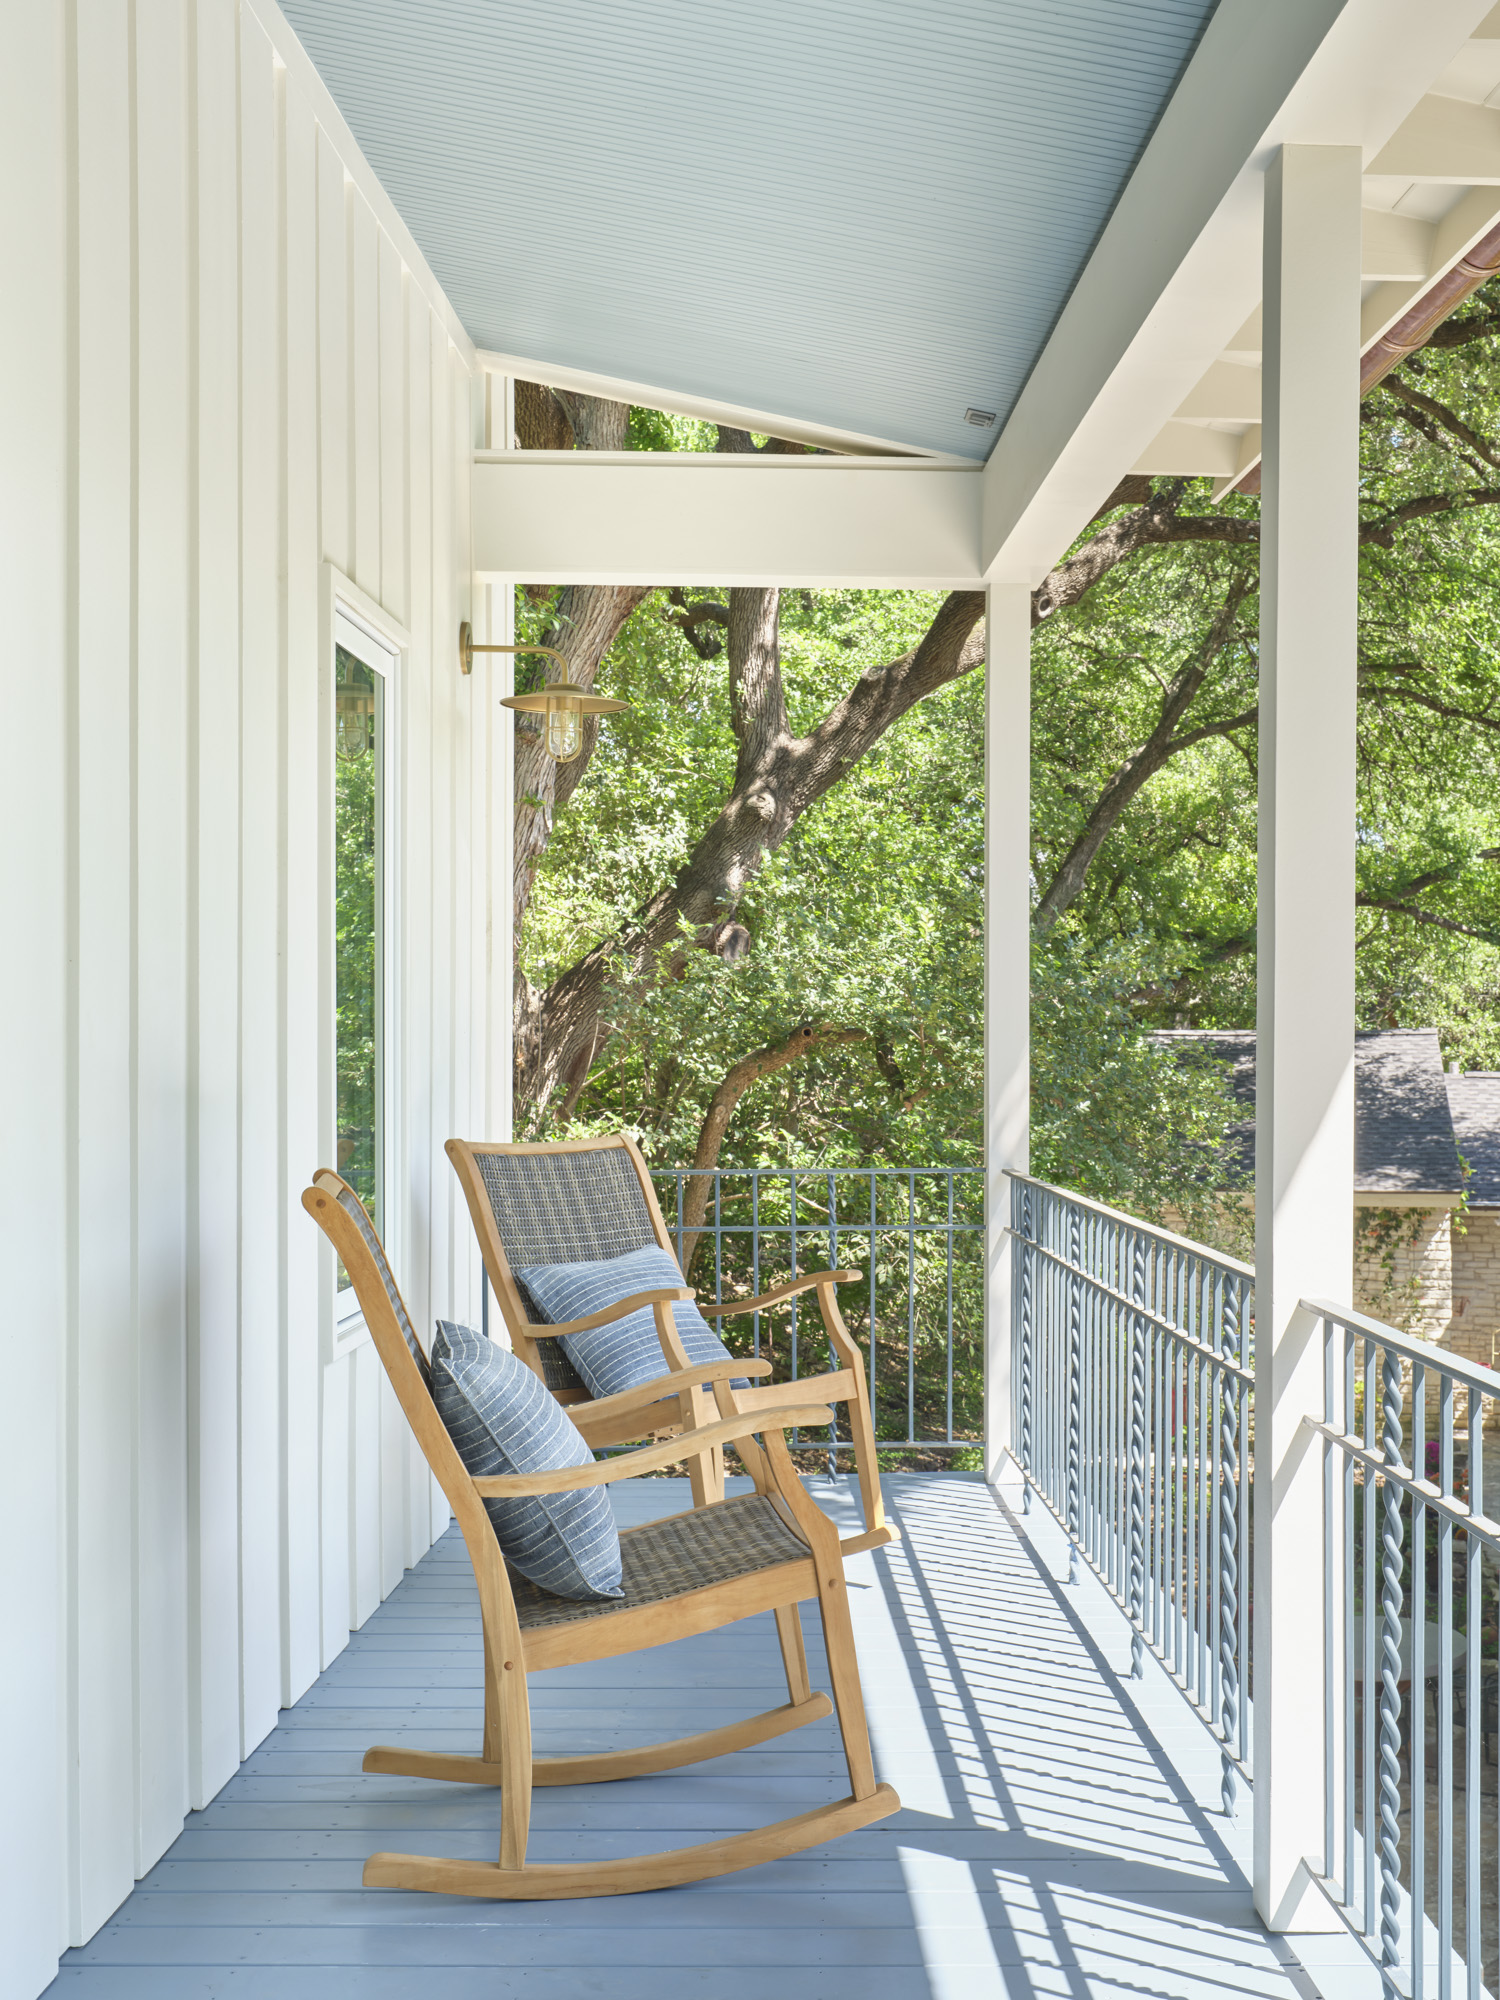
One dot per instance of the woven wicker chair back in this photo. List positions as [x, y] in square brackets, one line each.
[566, 1208]
[353, 1207]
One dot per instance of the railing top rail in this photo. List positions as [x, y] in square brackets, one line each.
[866, 1173]
[1472, 1374]
[1201, 1250]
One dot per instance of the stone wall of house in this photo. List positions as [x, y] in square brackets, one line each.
[1403, 1268]
[1475, 1326]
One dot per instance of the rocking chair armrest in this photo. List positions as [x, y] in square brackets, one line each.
[631, 1464]
[779, 1292]
[663, 1388]
[663, 1295]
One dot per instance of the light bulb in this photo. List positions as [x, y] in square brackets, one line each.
[564, 733]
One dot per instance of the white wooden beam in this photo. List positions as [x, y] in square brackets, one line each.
[1189, 450]
[1247, 455]
[1305, 972]
[684, 403]
[701, 517]
[1176, 271]
[1228, 394]
[1471, 217]
[1444, 139]
[1395, 248]
[1007, 979]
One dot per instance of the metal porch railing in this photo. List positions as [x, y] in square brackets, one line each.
[1131, 1380]
[1409, 1643]
[915, 1234]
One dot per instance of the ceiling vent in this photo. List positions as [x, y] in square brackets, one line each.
[980, 417]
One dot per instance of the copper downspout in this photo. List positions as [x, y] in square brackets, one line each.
[1418, 323]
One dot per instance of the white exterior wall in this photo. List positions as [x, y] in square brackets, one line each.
[240, 383]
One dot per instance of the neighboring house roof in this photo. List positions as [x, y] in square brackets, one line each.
[1403, 1130]
[1474, 1100]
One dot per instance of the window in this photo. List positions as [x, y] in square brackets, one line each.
[360, 786]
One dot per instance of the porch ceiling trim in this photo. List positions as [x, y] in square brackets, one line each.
[765, 423]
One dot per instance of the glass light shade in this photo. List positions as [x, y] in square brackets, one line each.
[564, 732]
[356, 714]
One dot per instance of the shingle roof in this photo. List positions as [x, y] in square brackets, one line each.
[1403, 1129]
[1474, 1100]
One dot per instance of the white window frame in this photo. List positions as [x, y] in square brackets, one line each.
[355, 621]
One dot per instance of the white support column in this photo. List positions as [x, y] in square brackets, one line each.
[1007, 977]
[1304, 1168]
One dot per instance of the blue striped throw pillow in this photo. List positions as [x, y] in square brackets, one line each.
[502, 1419]
[627, 1352]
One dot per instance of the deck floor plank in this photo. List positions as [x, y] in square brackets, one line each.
[1059, 1834]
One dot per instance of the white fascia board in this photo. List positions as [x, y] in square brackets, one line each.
[1407, 1198]
[1176, 273]
[682, 403]
[702, 517]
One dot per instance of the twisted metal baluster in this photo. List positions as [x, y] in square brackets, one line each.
[1025, 1224]
[1229, 1545]
[1390, 1675]
[1075, 1386]
[1138, 1456]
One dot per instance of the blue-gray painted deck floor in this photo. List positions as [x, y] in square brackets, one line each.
[1059, 1832]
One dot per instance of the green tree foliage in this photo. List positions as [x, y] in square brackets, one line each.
[869, 918]
[355, 969]
[865, 923]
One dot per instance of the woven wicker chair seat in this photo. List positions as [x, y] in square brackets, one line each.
[668, 1558]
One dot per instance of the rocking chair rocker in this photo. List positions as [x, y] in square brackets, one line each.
[591, 1199]
[727, 1560]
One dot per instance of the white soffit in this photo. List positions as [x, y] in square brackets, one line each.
[1154, 365]
[863, 215]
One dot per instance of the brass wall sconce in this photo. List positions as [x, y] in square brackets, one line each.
[563, 702]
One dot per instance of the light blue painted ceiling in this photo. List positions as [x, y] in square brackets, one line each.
[859, 213]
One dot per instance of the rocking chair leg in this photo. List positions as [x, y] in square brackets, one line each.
[515, 1795]
[793, 1652]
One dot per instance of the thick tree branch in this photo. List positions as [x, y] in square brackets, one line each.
[1444, 419]
[750, 1069]
[1459, 332]
[692, 618]
[1382, 530]
[1128, 778]
[1421, 916]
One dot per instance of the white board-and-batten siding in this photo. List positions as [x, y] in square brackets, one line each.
[244, 395]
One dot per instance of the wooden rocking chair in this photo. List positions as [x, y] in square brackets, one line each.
[728, 1560]
[587, 1199]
